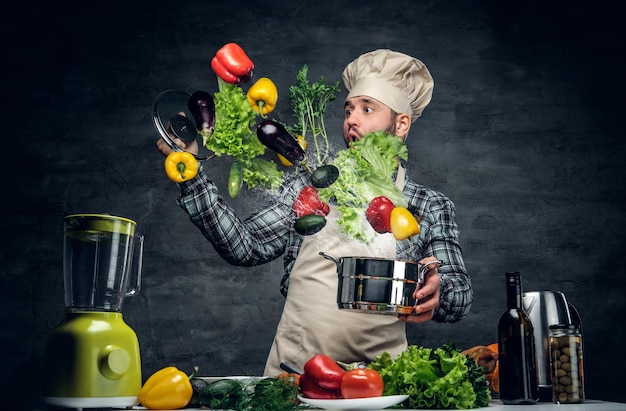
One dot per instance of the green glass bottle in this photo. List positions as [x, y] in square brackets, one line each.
[516, 348]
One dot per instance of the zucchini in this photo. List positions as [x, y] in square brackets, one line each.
[324, 176]
[235, 179]
[309, 224]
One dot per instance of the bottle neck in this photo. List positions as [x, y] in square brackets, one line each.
[513, 290]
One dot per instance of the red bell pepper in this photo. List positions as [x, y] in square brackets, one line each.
[309, 202]
[310, 389]
[324, 371]
[232, 64]
[378, 214]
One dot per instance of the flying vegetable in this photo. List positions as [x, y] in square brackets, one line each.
[181, 166]
[232, 64]
[263, 96]
[202, 108]
[276, 137]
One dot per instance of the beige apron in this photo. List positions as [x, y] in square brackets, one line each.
[311, 322]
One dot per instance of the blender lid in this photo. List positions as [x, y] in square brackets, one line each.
[100, 222]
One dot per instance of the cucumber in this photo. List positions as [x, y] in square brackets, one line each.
[324, 176]
[224, 394]
[235, 179]
[309, 224]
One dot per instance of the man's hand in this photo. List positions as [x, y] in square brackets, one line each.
[165, 149]
[427, 296]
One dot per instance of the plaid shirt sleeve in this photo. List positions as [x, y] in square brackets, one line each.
[439, 238]
[260, 238]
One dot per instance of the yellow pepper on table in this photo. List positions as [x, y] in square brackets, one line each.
[167, 389]
[403, 224]
[181, 166]
[262, 96]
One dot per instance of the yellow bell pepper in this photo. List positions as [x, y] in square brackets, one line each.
[301, 143]
[403, 224]
[167, 389]
[181, 166]
[263, 96]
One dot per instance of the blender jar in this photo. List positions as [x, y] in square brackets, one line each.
[99, 267]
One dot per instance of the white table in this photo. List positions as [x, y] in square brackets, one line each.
[588, 405]
[494, 405]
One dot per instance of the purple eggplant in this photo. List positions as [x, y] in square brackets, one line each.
[276, 137]
[202, 108]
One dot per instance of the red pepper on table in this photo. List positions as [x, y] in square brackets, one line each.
[232, 64]
[378, 214]
[310, 389]
[308, 202]
[324, 371]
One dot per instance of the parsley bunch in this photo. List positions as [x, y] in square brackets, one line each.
[310, 102]
[274, 394]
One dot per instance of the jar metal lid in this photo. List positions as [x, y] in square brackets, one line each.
[564, 327]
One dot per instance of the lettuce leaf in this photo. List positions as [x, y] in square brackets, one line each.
[352, 223]
[259, 172]
[234, 117]
[382, 151]
[434, 378]
[233, 137]
[366, 171]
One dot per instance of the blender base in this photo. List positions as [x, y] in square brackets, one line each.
[80, 403]
[92, 360]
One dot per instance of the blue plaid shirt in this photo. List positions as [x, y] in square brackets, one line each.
[268, 234]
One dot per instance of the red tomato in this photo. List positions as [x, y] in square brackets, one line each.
[290, 378]
[361, 383]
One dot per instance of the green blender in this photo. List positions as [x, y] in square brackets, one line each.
[92, 357]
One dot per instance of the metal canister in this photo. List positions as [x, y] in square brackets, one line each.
[566, 364]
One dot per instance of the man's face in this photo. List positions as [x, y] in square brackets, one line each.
[363, 115]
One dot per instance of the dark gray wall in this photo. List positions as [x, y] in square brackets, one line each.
[524, 133]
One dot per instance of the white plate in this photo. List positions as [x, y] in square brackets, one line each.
[370, 403]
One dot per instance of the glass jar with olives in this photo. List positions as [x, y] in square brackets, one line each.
[566, 364]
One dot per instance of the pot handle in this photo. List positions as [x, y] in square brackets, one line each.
[422, 269]
[329, 257]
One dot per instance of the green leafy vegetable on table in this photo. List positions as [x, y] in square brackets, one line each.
[271, 394]
[434, 378]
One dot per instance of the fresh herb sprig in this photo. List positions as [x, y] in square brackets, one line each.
[310, 102]
[274, 394]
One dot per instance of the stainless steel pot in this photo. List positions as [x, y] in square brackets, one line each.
[378, 285]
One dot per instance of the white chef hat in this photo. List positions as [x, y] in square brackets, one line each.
[401, 82]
